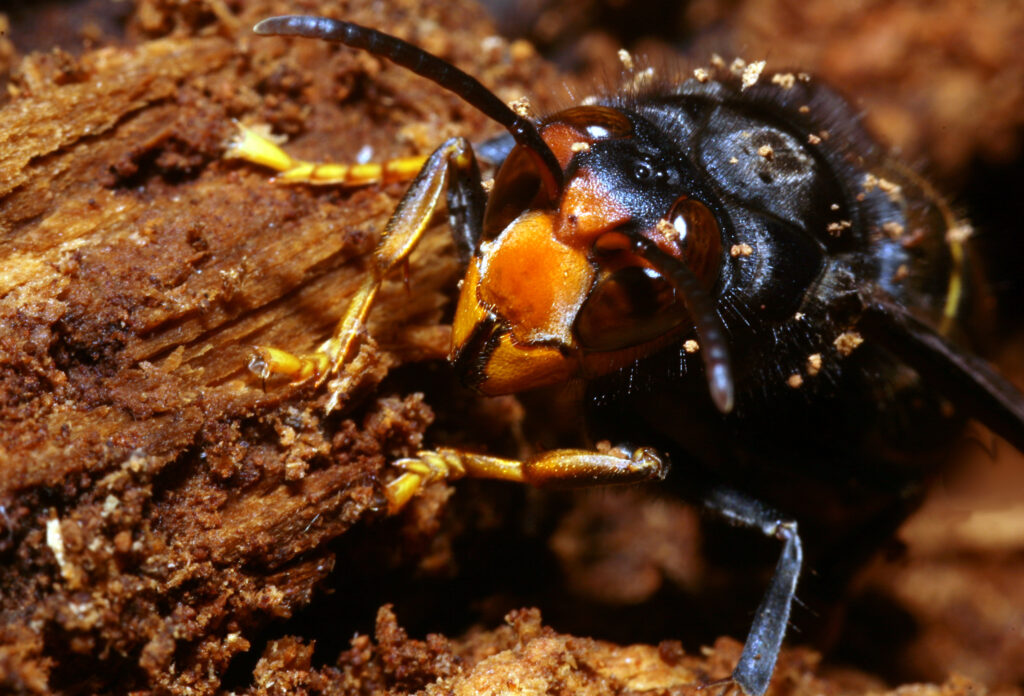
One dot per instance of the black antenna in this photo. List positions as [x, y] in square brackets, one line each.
[431, 67]
[713, 346]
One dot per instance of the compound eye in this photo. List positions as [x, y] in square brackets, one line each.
[517, 188]
[628, 306]
[697, 232]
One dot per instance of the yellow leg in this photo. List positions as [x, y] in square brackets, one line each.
[564, 467]
[336, 351]
[403, 232]
[253, 146]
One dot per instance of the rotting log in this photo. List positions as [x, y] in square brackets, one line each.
[159, 507]
[159, 504]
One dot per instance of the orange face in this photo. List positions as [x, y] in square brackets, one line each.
[553, 291]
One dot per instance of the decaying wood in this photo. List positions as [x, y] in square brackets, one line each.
[161, 510]
[159, 503]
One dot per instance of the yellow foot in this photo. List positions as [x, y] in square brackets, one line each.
[339, 355]
[267, 362]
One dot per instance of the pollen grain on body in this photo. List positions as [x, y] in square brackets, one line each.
[958, 234]
[813, 364]
[836, 228]
[891, 189]
[784, 80]
[691, 346]
[742, 249]
[626, 59]
[893, 229]
[847, 342]
[667, 230]
[642, 78]
[522, 107]
[751, 74]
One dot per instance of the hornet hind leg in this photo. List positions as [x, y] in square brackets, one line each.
[761, 648]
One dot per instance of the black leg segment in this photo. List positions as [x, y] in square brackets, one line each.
[761, 649]
[466, 202]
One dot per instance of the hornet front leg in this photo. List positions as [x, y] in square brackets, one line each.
[251, 145]
[451, 169]
[569, 468]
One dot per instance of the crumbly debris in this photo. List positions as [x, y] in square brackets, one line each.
[691, 346]
[492, 44]
[702, 75]
[813, 139]
[522, 50]
[295, 469]
[742, 249]
[55, 540]
[667, 230]
[737, 66]
[847, 342]
[751, 74]
[813, 364]
[767, 152]
[487, 184]
[522, 107]
[784, 80]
